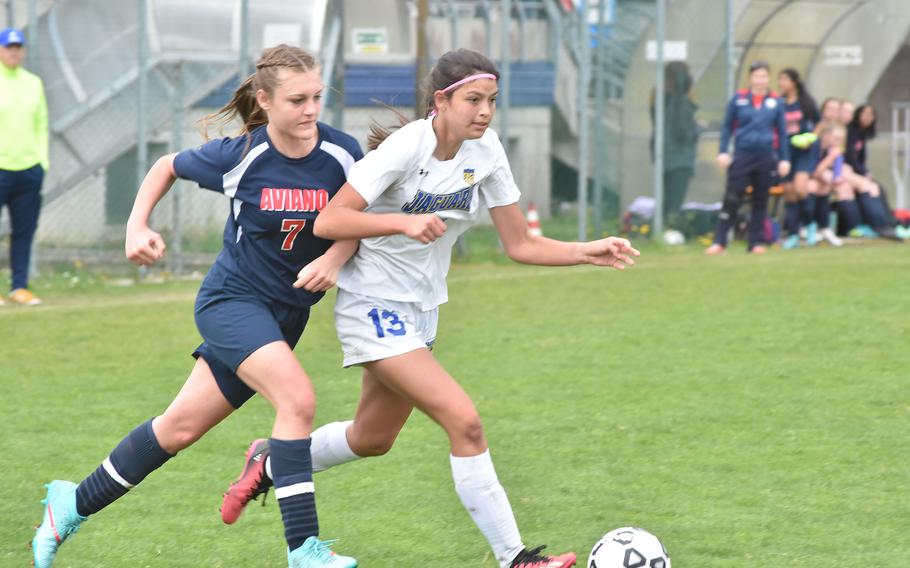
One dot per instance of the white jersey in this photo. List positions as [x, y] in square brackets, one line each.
[402, 176]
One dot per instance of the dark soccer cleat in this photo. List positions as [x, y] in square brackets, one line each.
[252, 483]
[533, 559]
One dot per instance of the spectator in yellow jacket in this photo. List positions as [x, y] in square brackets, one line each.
[23, 156]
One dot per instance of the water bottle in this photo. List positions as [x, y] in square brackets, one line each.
[838, 167]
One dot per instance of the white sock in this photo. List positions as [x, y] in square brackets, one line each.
[329, 447]
[486, 501]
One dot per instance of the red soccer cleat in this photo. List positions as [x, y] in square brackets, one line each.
[252, 483]
[533, 559]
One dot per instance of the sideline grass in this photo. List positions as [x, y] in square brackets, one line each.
[750, 411]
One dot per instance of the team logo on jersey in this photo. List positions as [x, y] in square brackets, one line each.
[425, 202]
[771, 102]
[468, 176]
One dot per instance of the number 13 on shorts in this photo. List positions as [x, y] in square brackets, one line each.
[386, 322]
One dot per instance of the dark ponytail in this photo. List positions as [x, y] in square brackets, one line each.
[806, 102]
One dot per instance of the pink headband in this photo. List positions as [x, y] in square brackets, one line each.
[457, 84]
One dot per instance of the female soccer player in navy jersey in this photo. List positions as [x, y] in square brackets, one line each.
[755, 117]
[253, 305]
[409, 200]
[801, 115]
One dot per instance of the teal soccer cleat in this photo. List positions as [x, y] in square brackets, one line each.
[315, 553]
[811, 234]
[60, 522]
[790, 242]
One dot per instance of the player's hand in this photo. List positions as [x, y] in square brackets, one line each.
[144, 247]
[614, 252]
[318, 276]
[424, 228]
[723, 160]
[783, 168]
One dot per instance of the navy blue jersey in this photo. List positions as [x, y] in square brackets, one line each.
[855, 154]
[797, 121]
[268, 236]
[757, 122]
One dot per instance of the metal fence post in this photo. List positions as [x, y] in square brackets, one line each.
[600, 132]
[423, 57]
[659, 95]
[505, 73]
[34, 33]
[584, 81]
[30, 62]
[731, 64]
[142, 103]
[243, 52]
[142, 95]
[176, 143]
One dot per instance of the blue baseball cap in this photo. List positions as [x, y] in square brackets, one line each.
[11, 36]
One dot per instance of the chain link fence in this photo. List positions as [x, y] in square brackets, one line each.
[580, 139]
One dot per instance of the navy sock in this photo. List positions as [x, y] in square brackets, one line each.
[850, 212]
[136, 456]
[292, 471]
[723, 229]
[807, 209]
[822, 212]
[791, 217]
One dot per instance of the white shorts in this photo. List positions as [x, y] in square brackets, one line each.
[371, 328]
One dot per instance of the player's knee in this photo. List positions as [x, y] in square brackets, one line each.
[178, 434]
[469, 429]
[374, 446]
[183, 439]
[297, 406]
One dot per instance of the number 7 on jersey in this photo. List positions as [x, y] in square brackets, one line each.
[292, 227]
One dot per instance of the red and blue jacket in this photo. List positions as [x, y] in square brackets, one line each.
[758, 122]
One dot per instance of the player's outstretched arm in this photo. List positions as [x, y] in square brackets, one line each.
[523, 247]
[143, 245]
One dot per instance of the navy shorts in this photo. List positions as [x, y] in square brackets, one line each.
[233, 325]
[800, 161]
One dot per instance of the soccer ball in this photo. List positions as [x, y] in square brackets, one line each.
[673, 237]
[629, 547]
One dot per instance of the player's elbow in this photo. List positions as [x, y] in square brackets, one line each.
[517, 251]
[322, 227]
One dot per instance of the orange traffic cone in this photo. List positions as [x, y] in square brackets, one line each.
[533, 220]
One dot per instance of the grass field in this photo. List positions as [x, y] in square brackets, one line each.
[750, 411]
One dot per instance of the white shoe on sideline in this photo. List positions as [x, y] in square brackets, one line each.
[829, 236]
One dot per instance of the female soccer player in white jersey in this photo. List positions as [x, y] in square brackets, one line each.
[253, 305]
[408, 200]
